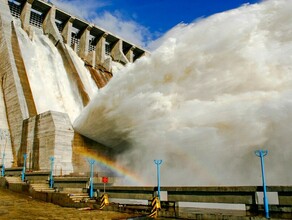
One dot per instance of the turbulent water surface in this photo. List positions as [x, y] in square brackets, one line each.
[207, 98]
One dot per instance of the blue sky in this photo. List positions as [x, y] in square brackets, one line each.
[161, 15]
[143, 21]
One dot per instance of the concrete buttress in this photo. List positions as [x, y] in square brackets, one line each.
[117, 52]
[15, 100]
[50, 28]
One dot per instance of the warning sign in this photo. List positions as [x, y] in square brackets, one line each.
[105, 179]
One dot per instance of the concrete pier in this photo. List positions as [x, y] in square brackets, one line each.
[84, 42]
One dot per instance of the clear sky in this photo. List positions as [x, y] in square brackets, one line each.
[142, 21]
[161, 15]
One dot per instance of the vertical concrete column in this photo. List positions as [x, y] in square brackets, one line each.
[13, 94]
[67, 31]
[117, 52]
[25, 16]
[90, 59]
[100, 50]
[84, 42]
[130, 54]
[107, 64]
[49, 134]
[50, 27]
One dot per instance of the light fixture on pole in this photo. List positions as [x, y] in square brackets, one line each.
[24, 167]
[91, 162]
[261, 154]
[51, 172]
[158, 163]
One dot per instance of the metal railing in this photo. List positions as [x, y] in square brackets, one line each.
[246, 195]
[75, 40]
[36, 19]
[91, 47]
[15, 8]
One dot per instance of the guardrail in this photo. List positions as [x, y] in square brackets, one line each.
[246, 195]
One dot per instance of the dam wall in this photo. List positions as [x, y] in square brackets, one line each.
[81, 35]
[13, 94]
[36, 120]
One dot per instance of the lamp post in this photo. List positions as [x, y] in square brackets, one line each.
[3, 165]
[51, 172]
[3, 159]
[158, 163]
[23, 169]
[91, 162]
[261, 154]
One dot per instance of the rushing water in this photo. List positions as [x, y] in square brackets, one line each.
[47, 75]
[207, 98]
[85, 76]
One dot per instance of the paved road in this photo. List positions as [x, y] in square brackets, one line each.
[14, 206]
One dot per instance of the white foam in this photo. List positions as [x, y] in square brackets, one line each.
[85, 76]
[214, 92]
[48, 79]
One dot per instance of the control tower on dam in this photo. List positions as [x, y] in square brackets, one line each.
[52, 64]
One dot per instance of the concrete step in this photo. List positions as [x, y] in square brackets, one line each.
[78, 194]
[78, 197]
[41, 187]
[13, 179]
[45, 186]
[44, 190]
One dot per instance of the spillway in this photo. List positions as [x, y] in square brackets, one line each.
[52, 65]
[214, 92]
[47, 75]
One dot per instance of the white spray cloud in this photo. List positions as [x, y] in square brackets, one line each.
[110, 21]
[127, 29]
[213, 93]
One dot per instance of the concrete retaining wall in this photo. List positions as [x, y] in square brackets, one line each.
[3, 182]
[19, 187]
[61, 199]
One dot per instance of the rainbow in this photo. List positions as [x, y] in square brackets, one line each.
[132, 178]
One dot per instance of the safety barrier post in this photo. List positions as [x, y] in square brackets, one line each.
[23, 169]
[91, 162]
[158, 163]
[3, 165]
[261, 154]
[51, 182]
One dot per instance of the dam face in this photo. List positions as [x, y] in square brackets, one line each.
[51, 66]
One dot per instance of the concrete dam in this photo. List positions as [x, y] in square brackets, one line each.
[52, 63]
[200, 103]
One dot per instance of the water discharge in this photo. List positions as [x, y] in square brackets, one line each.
[207, 98]
[47, 75]
[85, 75]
